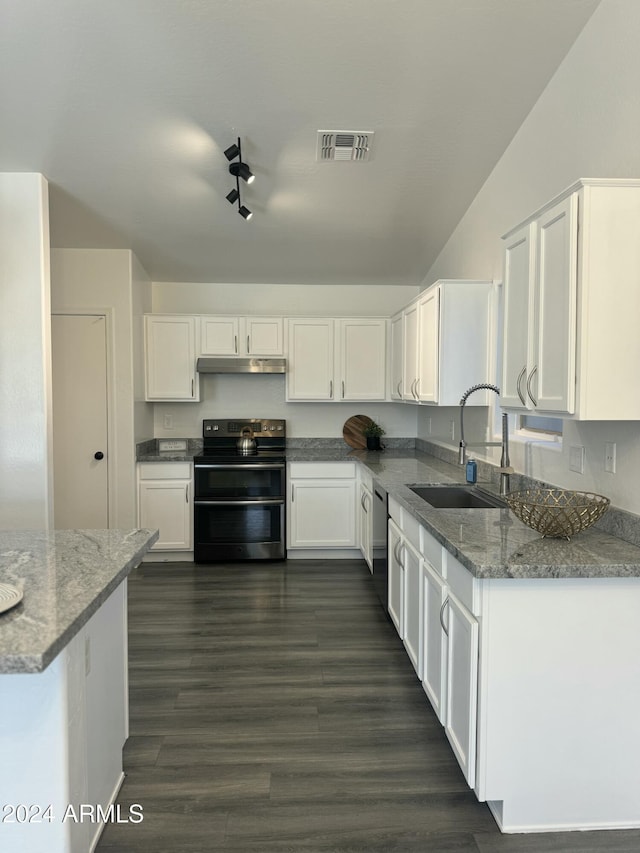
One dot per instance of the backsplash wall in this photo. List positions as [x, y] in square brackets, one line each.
[264, 396]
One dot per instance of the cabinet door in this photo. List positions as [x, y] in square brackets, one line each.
[170, 358]
[322, 513]
[397, 354]
[412, 607]
[519, 271]
[428, 346]
[396, 578]
[219, 336]
[551, 379]
[263, 336]
[166, 505]
[434, 645]
[310, 351]
[363, 359]
[365, 527]
[462, 686]
[410, 362]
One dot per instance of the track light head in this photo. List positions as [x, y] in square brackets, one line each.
[245, 212]
[233, 196]
[232, 152]
[241, 170]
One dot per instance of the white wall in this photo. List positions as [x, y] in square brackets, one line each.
[141, 304]
[585, 124]
[264, 396]
[285, 299]
[101, 279]
[25, 353]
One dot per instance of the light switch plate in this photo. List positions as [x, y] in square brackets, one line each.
[172, 444]
[576, 459]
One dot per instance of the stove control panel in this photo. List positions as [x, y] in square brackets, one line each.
[225, 428]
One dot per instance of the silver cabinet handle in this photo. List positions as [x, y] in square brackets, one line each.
[444, 604]
[399, 391]
[519, 384]
[331, 389]
[192, 388]
[417, 393]
[362, 501]
[235, 343]
[293, 493]
[248, 344]
[396, 554]
[186, 493]
[529, 391]
[343, 389]
[366, 508]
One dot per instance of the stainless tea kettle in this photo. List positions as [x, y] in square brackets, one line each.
[246, 443]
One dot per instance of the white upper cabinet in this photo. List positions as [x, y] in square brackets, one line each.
[446, 342]
[396, 349]
[571, 275]
[362, 359]
[170, 358]
[336, 360]
[242, 336]
[540, 312]
[310, 359]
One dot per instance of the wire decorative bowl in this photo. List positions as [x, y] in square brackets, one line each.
[557, 513]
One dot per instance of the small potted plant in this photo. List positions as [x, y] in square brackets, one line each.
[372, 433]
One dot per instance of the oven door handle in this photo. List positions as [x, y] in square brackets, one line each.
[259, 502]
[243, 467]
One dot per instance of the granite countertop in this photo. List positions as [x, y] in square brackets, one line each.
[65, 575]
[490, 543]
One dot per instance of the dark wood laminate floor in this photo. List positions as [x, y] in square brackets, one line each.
[274, 710]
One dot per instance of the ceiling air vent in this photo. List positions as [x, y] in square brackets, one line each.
[344, 145]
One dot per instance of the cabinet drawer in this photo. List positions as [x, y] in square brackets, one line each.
[322, 470]
[432, 552]
[411, 529]
[462, 583]
[164, 470]
[395, 511]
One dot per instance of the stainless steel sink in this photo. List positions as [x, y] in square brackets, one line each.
[457, 497]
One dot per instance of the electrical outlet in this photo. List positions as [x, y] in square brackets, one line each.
[168, 421]
[576, 459]
[610, 457]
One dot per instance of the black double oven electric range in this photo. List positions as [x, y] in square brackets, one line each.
[239, 497]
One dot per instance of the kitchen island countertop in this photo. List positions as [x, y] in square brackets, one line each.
[65, 575]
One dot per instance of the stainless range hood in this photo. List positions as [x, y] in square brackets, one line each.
[241, 365]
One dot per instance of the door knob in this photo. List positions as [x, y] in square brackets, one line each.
[98, 455]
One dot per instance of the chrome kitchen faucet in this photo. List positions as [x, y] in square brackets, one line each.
[505, 464]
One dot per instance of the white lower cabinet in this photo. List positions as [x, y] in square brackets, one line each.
[449, 597]
[412, 634]
[322, 505]
[165, 502]
[365, 527]
[461, 709]
[434, 640]
[396, 577]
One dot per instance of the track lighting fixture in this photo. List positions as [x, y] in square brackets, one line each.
[232, 152]
[239, 170]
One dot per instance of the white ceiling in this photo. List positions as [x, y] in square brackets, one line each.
[127, 105]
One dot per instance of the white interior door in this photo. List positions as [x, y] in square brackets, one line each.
[80, 452]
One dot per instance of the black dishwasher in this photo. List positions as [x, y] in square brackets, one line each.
[380, 528]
